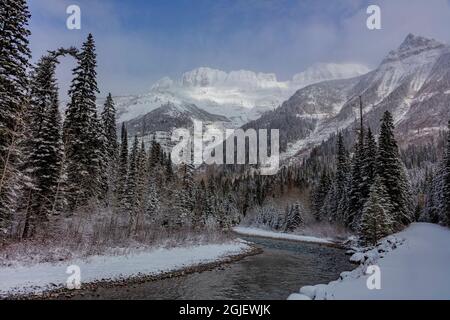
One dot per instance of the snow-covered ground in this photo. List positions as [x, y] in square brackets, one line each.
[414, 265]
[40, 277]
[279, 235]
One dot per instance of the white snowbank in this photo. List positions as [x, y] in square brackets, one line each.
[38, 278]
[414, 265]
[278, 235]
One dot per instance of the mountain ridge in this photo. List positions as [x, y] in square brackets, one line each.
[241, 96]
[413, 82]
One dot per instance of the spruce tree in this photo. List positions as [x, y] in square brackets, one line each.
[376, 221]
[393, 174]
[110, 128]
[356, 201]
[212, 193]
[186, 194]
[153, 201]
[141, 194]
[319, 195]
[130, 200]
[45, 147]
[155, 154]
[228, 213]
[342, 166]
[432, 212]
[111, 147]
[294, 218]
[446, 184]
[14, 62]
[369, 165]
[122, 172]
[81, 131]
[342, 180]
[169, 169]
[201, 210]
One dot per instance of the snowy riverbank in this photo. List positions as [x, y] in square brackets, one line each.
[278, 235]
[24, 280]
[414, 264]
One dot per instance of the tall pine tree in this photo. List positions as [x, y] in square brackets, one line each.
[111, 146]
[446, 183]
[369, 165]
[14, 61]
[82, 136]
[393, 174]
[356, 201]
[130, 200]
[376, 222]
[320, 194]
[110, 128]
[122, 172]
[46, 148]
[342, 180]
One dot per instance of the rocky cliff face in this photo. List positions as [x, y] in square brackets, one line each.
[412, 82]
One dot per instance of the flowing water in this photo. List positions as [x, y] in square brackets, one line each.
[280, 270]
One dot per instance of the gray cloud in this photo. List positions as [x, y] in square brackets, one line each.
[289, 40]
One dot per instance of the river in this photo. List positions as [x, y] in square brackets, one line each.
[280, 270]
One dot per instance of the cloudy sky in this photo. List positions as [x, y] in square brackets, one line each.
[141, 41]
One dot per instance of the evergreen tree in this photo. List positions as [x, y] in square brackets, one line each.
[228, 213]
[45, 148]
[110, 128]
[153, 201]
[329, 209]
[294, 218]
[155, 154]
[81, 131]
[14, 61]
[434, 199]
[337, 200]
[376, 222]
[169, 168]
[334, 204]
[369, 165]
[393, 174]
[123, 166]
[320, 194]
[446, 184]
[131, 197]
[185, 202]
[342, 167]
[356, 200]
[141, 193]
[111, 146]
[201, 209]
[212, 193]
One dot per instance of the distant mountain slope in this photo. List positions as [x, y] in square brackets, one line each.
[241, 96]
[170, 116]
[413, 82]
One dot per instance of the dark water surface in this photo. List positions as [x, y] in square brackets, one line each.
[280, 270]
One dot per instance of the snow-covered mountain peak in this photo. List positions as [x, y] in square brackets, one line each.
[412, 41]
[240, 96]
[412, 46]
[208, 77]
[202, 77]
[164, 83]
[329, 71]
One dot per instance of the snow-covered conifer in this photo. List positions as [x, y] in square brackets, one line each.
[14, 62]
[376, 221]
[82, 137]
[393, 174]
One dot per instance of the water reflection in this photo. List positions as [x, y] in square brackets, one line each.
[282, 269]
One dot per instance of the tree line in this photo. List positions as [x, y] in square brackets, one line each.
[53, 167]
